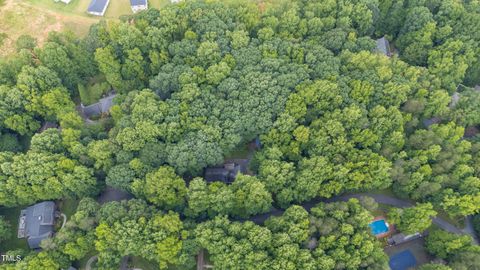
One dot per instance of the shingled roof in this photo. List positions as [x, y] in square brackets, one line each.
[39, 220]
[383, 46]
[102, 106]
[227, 173]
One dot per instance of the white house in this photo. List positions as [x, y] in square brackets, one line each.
[98, 7]
[138, 5]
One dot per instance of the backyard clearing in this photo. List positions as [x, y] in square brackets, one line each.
[20, 17]
[39, 17]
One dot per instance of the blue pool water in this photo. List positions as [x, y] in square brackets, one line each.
[378, 227]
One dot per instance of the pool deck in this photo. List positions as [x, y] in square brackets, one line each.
[391, 228]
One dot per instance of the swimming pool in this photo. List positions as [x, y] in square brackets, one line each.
[379, 227]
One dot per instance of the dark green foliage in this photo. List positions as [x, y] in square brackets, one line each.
[9, 143]
[476, 223]
[5, 229]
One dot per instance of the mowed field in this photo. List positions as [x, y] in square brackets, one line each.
[115, 9]
[39, 17]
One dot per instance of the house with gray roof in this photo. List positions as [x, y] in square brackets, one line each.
[226, 173]
[36, 223]
[400, 238]
[383, 46]
[98, 7]
[138, 5]
[102, 106]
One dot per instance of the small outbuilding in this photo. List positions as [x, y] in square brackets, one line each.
[98, 7]
[383, 46]
[138, 5]
[400, 238]
[36, 223]
[226, 173]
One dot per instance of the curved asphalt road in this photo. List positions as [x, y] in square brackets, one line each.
[379, 198]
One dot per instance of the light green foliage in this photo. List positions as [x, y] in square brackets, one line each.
[467, 111]
[247, 196]
[438, 170]
[413, 219]
[163, 188]
[27, 178]
[141, 231]
[338, 228]
[197, 80]
[445, 245]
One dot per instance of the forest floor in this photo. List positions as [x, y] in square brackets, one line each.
[13, 242]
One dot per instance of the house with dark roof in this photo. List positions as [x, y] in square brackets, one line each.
[46, 125]
[36, 223]
[138, 5]
[428, 122]
[383, 46]
[400, 238]
[98, 7]
[102, 106]
[226, 173]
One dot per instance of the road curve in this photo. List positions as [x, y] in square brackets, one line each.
[379, 198]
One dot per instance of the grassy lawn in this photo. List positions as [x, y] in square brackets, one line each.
[115, 9]
[39, 17]
[26, 18]
[11, 215]
[75, 6]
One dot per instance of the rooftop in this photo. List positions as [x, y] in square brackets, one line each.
[38, 221]
[226, 174]
[383, 46]
[97, 6]
[102, 106]
[138, 2]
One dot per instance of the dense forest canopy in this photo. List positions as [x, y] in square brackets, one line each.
[198, 80]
